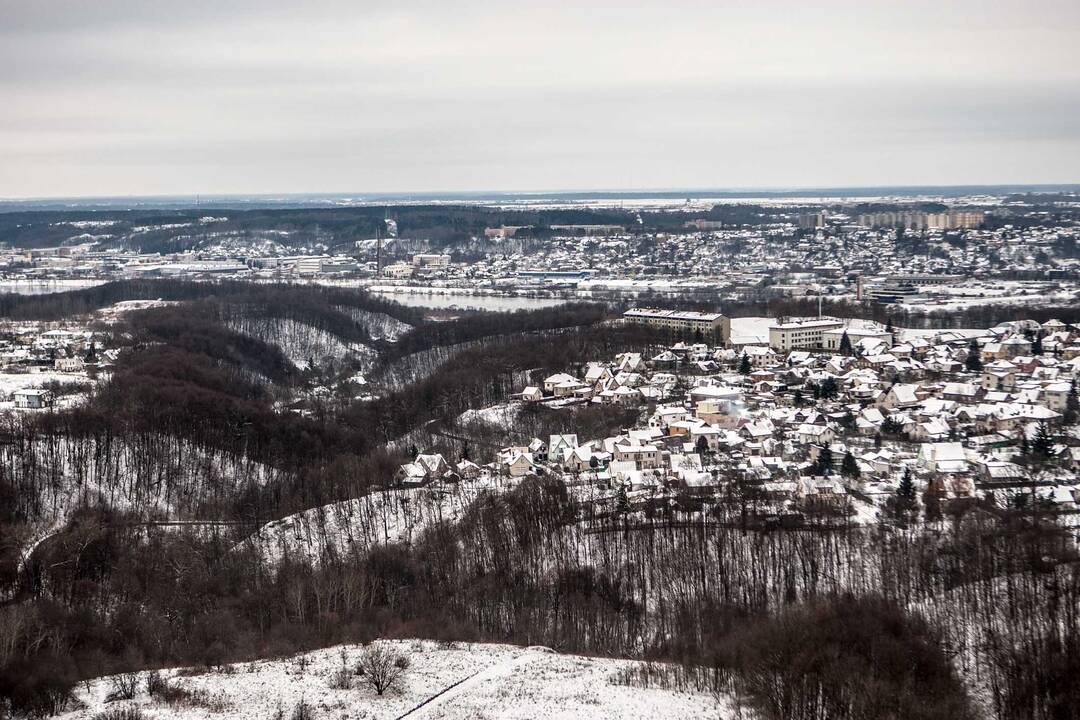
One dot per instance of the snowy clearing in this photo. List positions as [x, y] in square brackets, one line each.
[466, 681]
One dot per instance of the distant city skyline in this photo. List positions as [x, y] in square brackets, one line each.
[115, 98]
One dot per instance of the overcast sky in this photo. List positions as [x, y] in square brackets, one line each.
[139, 97]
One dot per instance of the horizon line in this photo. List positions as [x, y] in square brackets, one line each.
[701, 191]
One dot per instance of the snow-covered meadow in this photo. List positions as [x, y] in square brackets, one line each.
[461, 681]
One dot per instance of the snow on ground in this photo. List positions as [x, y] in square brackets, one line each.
[756, 329]
[10, 382]
[497, 415]
[60, 473]
[911, 333]
[386, 516]
[466, 681]
[379, 326]
[114, 312]
[301, 343]
[751, 329]
[29, 286]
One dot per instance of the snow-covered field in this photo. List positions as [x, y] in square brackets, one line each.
[113, 313]
[466, 681]
[10, 382]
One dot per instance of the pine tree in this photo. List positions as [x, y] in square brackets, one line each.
[906, 490]
[744, 364]
[845, 344]
[1036, 345]
[973, 362]
[1072, 405]
[847, 421]
[1042, 445]
[849, 467]
[824, 463]
[904, 502]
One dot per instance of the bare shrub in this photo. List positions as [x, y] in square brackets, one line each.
[381, 667]
[669, 676]
[121, 713]
[124, 686]
[342, 678]
[157, 685]
[300, 664]
[303, 711]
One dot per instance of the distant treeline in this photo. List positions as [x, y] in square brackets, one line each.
[480, 325]
[304, 226]
[67, 304]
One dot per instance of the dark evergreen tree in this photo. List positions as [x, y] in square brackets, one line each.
[847, 421]
[744, 365]
[824, 463]
[973, 362]
[845, 344]
[906, 489]
[1042, 444]
[1072, 405]
[849, 467]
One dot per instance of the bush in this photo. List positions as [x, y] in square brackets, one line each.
[121, 713]
[341, 679]
[157, 685]
[381, 667]
[303, 711]
[124, 686]
[845, 658]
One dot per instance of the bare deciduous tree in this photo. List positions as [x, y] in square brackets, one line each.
[381, 667]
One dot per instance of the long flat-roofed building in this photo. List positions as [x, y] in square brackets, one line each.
[801, 334]
[682, 321]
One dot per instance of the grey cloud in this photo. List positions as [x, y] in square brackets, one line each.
[144, 97]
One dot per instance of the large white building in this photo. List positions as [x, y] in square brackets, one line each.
[682, 321]
[801, 334]
[430, 260]
[831, 339]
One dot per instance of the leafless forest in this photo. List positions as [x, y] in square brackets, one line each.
[125, 527]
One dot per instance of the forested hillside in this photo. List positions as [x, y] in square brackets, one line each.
[221, 497]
